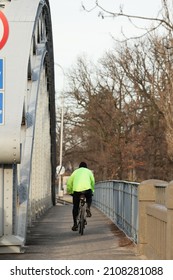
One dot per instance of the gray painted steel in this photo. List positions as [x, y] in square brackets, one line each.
[27, 134]
[119, 201]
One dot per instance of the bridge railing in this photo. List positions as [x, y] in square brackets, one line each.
[119, 201]
[144, 212]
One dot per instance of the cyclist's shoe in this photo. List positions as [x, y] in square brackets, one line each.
[88, 212]
[74, 228]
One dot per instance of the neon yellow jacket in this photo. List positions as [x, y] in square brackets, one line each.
[80, 180]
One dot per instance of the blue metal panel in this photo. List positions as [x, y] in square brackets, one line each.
[1, 74]
[1, 93]
[1, 108]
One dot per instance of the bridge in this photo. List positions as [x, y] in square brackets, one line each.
[28, 152]
[27, 118]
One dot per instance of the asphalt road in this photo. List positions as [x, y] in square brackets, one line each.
[51, 237]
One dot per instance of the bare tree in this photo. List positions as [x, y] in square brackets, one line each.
[122, 103]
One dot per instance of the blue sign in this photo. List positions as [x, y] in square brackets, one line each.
[1, 74]
[1, 107]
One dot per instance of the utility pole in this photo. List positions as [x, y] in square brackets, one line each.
[60, 167]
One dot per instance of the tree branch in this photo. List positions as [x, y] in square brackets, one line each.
[106, 13]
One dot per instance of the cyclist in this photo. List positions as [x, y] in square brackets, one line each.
[81, 180]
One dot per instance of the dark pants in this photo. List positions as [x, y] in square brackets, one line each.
[76, 199]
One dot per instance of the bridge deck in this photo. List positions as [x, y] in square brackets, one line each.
[51, 238]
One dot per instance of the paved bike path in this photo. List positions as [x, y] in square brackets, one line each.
[51, 237]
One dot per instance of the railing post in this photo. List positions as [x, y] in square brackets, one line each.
[169, 235]
[146, 196]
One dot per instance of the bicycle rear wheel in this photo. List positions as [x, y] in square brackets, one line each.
[81, 222]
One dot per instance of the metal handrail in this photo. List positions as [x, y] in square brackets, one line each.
[119, 201]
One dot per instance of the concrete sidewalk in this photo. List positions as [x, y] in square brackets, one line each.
[51, 237]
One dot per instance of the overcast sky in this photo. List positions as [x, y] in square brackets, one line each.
[76, 32]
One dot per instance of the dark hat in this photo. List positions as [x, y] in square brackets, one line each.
[83, 164]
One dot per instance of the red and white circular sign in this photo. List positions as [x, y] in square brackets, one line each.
[5, 30]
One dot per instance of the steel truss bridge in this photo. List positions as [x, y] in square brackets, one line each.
[27, 118]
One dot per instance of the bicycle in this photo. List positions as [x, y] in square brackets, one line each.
[82, 214]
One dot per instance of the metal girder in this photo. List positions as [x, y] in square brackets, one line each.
[27, 132]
